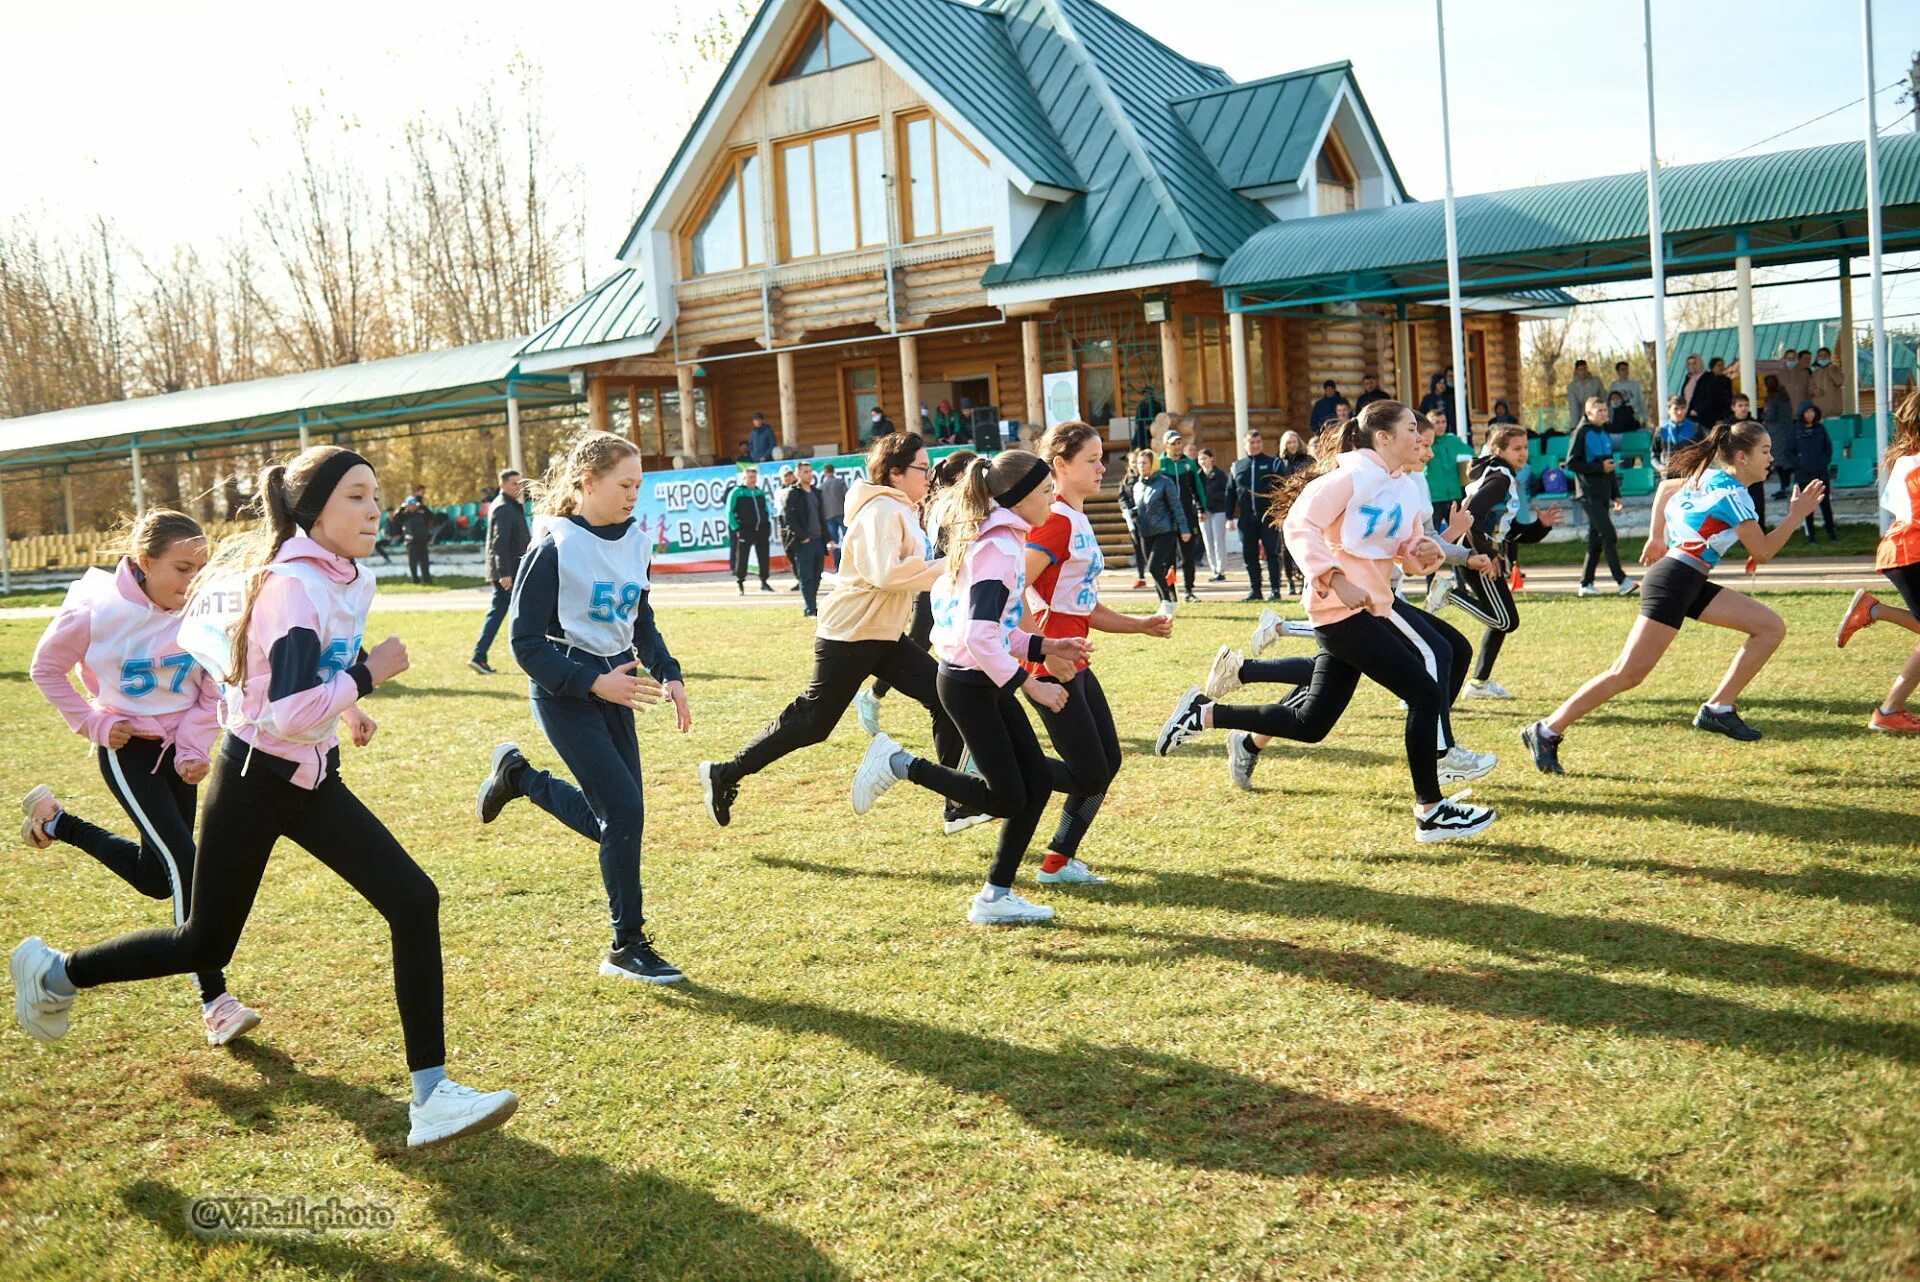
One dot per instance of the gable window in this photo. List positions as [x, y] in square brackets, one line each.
[825, 46]
[832, 193]
[1336, 186]
[727, 236]
[951, 187]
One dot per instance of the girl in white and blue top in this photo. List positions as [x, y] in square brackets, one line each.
[581, 623]
[1700, 511]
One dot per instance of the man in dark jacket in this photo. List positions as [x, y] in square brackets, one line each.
[1185, 473]
[750, 524]
[414, 521]
[1369, 393]
[507, 540]
[1590, 457]
[803, 531]
[1324, 408]
[1712, 402]
[760, 440]
[1250, 483]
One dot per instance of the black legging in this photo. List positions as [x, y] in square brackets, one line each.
[1139, 552]
[246, 814]
[1487, 598]
[142, 779]
[839, 669]
[1190, 549]
[419, 568]
[920, 632]
[1360, 645]
[1089, 746]
[1015, 776]
[1161, 551]
[1258, 539]
[1601, 539]
[1826, 512]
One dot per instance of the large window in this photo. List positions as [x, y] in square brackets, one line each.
[832, 193]
[1206, 352]
[1336, 185]
[825, 46]
[728, 235]
[951, 187]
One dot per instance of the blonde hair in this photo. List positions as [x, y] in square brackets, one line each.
[1152, 461]
[964, 505]
[592, 454]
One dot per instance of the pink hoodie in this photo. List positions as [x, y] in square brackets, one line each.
[1359, 519]
[153, 631]
[991, 580]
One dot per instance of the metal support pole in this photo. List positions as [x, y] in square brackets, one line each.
[66, 500]
[303, 433]
[1743, 312]
[1242, 384]
[1843, 350]
[1656, 241]
[514, 459]
[139, 490]
[1882, 367]
[1461, 425]
[6, 558]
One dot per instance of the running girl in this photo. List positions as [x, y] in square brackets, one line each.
[977, 606]
[150, 714]
[582, 622]
[1705, 505]
[293, 668]
[1899, 559]
[1063, 565]
[1346, 529]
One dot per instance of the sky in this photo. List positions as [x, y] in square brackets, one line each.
[168, 124]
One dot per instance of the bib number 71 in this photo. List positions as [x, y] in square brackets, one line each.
[1373, 515]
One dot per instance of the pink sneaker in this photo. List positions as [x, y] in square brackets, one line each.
[227, 1019]
[40, 809]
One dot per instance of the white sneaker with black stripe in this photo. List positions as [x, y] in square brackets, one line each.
[1452, 819]
[1184, 724]
[1463, 765]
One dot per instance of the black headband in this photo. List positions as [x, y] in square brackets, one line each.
[312, 498]
[1026, 484]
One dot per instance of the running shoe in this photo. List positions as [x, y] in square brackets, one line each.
[1438, 595]
[1627, 587]
[1587, 589]
[1859, 614]
[1727, 723]
[454, 1110]
[1488, 689]
[226, 1019]
[41, 1013]
[1462, 764]
[1166, 609]
[639, 962]
[875, 774]
[1184, 724]
[498, 788]
[1265, 632]
[480, 666]
[1193, 598]
[959, 819]
[868, 706]
[1544, 746]
[1452, 819]
[1241, 759]
[720, 792]
[40, 809]
[1071, 873]
[1224, 677]
[1008, 910]
[1901, 722]
[1138, 584]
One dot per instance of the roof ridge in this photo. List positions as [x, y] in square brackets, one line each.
[1157, 42]
[1345, 64]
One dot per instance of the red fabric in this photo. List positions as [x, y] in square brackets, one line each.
[1053, 536]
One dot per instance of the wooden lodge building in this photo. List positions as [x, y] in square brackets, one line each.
[897, 202]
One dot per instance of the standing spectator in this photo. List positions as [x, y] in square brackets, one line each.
[878, 425]
[1827, 388]
[1213, 525]
[1158, 508]
[749, 528]
[1629, 389]
[507, 540]
[1323, 409]
[1590, 458]
[1675, 432]
[1743, 413]
[803, 530]
[760, 440]
[1150, 408]
[1502, 415]
[946, 424]
[1777, 414]
[414, 520]
[1813, 461]
[1446, 470]
[1250, 486]
[1294, 457]
[1582, 388]
[1695, 372]
[1342, 415]
[1369, 393]
[1712, 401]
[1133, 526]
[1439, 393]
[1797, 380]
[833, 505]
[1185, 475]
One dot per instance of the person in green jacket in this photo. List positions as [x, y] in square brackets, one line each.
[1446, 470]
[749, 525]
[1193, 499]
[946, 423]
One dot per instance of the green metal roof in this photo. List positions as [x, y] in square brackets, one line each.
[1793, 206]
[1262, 133]
[1771, 340]
[613, 311]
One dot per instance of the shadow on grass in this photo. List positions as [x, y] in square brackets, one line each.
[1803, 819]
[517, 693]
[1326, 756]
[509, 1207]
[1153, 1107]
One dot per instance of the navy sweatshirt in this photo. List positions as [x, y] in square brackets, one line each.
[536, 616]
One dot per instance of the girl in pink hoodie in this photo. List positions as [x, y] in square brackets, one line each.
[978, 602]
[293, 668]
[149, 711]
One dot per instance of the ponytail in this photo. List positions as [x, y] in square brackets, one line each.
[1906, 431]
[251, 553]
[1717, 446]
[963, 505]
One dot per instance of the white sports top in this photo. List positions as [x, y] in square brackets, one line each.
[600, 585]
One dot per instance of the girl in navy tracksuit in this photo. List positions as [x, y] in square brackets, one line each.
[581, 623]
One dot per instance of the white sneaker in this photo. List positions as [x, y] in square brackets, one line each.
[1008, 910]
[1224, 677]
[960, 822]
[1166, 609]
[40, 1012]
[40, 809]
[1184, 724]
[875, 774]
[1439, 595]
[1463, 764]
[1587, 589]
[227, 1019]
[454, 1110]
[1265, 633]
[869, 709]
[1241, 759]
[1627, 587]
[1452, 819]
[1488, 689]
[1071, 873]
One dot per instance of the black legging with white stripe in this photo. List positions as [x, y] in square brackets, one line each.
[142, 779]
[1487, 598]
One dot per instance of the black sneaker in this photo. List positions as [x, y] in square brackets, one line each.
[1183, 724]
[1193, 597]
[765, 586]
[1727, 723]
[1452, 819]
[959, 818]
[480, 666]
[638, 961]
[1253, 596]
[1275, 594]
[500, 786]
[720, 792]
[1544, 747]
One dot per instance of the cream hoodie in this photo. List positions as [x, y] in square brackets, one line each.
[886, 559]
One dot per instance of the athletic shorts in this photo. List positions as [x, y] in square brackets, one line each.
[1674, 591]
[1906, 578]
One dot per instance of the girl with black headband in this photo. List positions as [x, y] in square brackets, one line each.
[978, 603]
[282, 629]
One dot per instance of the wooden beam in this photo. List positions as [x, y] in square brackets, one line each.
[689, 429]
[1036, 386]
[1171, 370]
[909, 384]
[789, 401]
[597, 404]
[1242, 397]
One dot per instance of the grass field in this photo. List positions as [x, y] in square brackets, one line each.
[1663, 1023]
